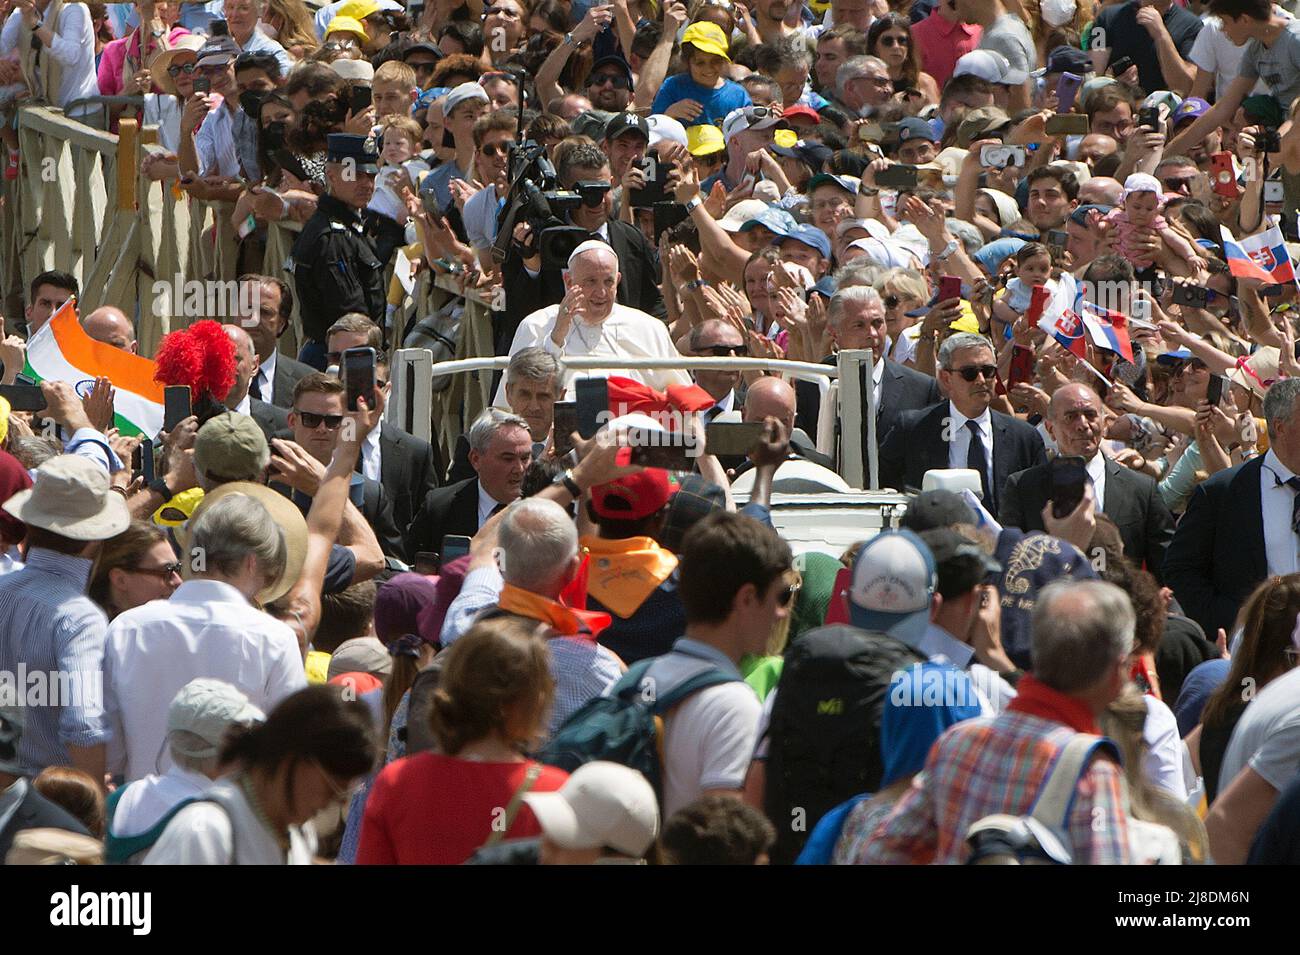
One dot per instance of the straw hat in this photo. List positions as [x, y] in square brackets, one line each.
[188, 43]
[285, 514]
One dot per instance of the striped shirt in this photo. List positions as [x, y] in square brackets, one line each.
[52, 639]
[986, 766]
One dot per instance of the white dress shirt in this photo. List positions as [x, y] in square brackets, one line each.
[959, 445]
[626, 333]
[206, 629]
[265, 377]
[1097, 471]
[74, 49]
[371, 462]
[245, 406]
[1281, 546]
[877, 376]
[486, 505]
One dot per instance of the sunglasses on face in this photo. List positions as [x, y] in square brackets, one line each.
[163, 573]
[727, 351]
[427, 67]
[338, 46]
[892, 301]
[593, 193]
[506, 12]
[312, 421]
[971, 372]
[617, 80]
[188, 69]
[786, 595]
[893, 41]
[492, 150]
[760, 112]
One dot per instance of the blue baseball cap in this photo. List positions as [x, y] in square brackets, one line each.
[913, 127]
[1177, 355]
[776, 220]
[847, 183]
[810, 236]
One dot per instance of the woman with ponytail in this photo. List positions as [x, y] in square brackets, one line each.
[490, 708]
[310, 754]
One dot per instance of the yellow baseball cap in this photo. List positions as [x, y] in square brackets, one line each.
[707, 38]
[704, 140]
[358, 9]
[967, 322]
[785, 138]
[347, 25]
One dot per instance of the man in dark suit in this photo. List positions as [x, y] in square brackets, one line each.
[501, 448]
[529, 287]
[772, 397]
[264, 311]
[1239, 528]
[408, 467]
[957, 433]
[856, 319]
[269, 418]
[1131, 500]
[30, 810]
[317, 415]
[532, 386]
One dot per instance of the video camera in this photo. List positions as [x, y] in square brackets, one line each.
[534, 197]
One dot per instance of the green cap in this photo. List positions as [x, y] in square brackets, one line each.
[231, 446]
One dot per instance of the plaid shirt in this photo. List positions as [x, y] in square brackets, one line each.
[987, 766]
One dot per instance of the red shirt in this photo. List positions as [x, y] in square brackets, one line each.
[941, 43]
[429, 809]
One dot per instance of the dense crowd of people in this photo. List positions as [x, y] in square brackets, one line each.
[284, 629]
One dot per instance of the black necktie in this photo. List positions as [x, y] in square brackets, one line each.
[1294, 484]
[496, 510]
[255, 386]
[977, 459]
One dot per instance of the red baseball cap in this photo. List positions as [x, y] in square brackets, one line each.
[633, 497]
[799, 111]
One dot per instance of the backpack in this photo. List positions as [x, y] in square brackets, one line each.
[626, 725]
[439, 332]
[1042, 837]
[824, 733]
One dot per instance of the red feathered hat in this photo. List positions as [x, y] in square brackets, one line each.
[201, 357]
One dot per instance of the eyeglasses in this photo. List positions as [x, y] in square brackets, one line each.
[761, 112]
[187, 69]
[879, 80]
[492, 150]
[164, 572]
[506, 12]
[971, 372]
[894, 41]
[312, 421]
[726, 351]
[1178, 183]
[618, 80]
[593, 193]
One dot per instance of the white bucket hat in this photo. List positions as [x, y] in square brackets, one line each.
[70, 497]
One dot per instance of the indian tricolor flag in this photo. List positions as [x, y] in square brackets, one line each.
[62, 351]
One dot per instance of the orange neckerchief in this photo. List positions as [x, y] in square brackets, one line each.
[624, 573]
[563, 620]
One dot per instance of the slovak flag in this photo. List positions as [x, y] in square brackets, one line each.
[1242, 265]
[1108, 329]
[1268, 250]
[1068, 329]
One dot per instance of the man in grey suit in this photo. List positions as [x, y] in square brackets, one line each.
[264, 310]
[1076, 423]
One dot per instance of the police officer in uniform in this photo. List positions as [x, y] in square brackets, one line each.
[339, 259]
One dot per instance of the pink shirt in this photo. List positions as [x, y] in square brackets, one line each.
[114, 55]
[941, 43]
[1124, 229]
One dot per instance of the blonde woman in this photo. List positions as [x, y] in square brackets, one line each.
[903, 291]
[290, 24]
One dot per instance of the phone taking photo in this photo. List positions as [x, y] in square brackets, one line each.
[359, 376]
[1067, 477]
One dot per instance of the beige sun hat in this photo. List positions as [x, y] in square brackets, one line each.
[285, 514]
[187, 43]
[70, 497]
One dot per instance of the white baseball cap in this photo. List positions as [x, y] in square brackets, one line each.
[666, 128]
[746, 210]
[601, 804]
[207, 709]
[749, 117]
[991, 66]
[894, 579]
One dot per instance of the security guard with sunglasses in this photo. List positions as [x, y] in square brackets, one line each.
[338, 260]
